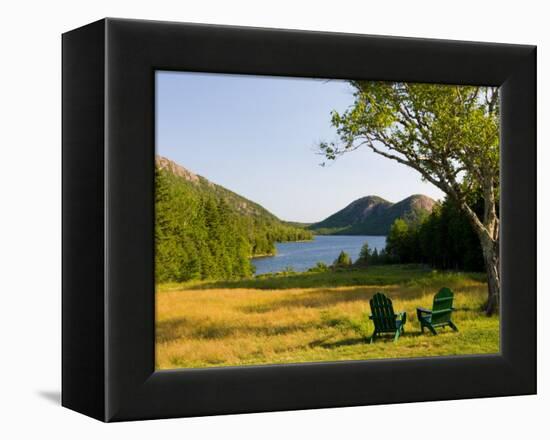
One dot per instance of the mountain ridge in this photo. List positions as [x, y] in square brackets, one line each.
[242, 204]
[368, 215]
[372, 215]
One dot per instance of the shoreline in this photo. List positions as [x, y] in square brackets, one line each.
[274, 254]
[263, 256]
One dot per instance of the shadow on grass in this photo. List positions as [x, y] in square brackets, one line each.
[322, 298]
[173, 329]
[412, 275]
[385, 338]
[313, 299]
[342, 343]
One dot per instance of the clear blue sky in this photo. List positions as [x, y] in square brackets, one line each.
[257, 136]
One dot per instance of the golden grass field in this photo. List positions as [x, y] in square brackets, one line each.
[202, 325]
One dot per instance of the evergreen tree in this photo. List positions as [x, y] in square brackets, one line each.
[198, 235]
[343, 260]
[445, 239]
[364, 255]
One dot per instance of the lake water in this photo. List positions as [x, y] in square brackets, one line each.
[326, 248]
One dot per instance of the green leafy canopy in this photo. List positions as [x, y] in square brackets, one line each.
[448, 133]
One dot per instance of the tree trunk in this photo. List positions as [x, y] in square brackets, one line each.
[492, 265]
[488, 234]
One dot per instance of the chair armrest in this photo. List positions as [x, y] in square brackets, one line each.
[423, 310]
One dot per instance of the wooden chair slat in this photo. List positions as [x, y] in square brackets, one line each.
[384, 318]
[440, 315]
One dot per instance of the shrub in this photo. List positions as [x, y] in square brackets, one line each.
[319, 267]
[343, 260]
[288, 270]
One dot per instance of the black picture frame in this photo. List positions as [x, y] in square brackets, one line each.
[108, 219]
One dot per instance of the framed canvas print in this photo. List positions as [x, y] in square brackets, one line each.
[262, 220]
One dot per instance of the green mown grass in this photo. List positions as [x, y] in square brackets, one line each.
[314, 317]
[410, 275]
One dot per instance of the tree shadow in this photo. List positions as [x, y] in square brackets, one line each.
[318, 298]
[385, 338]
[375, 276]
[323, 298]
[173, 329]
[341, 343]
[167, 330]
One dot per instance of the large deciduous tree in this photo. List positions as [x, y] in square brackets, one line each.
[449, 134]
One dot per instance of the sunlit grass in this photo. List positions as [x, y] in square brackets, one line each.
[306, 319]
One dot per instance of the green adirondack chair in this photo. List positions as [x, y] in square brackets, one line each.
[384, 318]
[440, 315]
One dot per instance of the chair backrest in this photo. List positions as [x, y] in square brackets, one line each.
[443, 306]
[383, 315]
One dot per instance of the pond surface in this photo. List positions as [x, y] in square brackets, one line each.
[326, 248]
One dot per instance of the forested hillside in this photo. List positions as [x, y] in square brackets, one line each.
[204, 231]
[444, 239]
[373, 215]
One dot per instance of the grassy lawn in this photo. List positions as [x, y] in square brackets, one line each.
[314, 317]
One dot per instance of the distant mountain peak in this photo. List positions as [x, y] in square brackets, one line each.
[372, 215]
[420, 201]
[169, 165]
[239, 203]
[368, 215]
